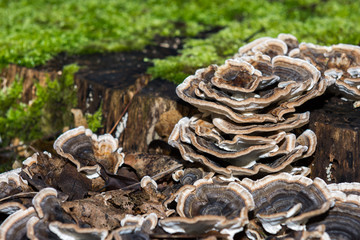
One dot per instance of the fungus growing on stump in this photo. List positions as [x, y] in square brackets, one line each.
[86, 150]
[248, 125]
[284, 199]
[210, 205]
[248, 106]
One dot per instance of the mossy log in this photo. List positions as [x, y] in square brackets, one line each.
[29, 76]
[151, 117]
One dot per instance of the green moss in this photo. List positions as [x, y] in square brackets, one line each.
[319, 22]
[48, 113]
[94, 121]
[31, 32]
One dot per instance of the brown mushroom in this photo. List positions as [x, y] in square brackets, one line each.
[342, 221]
[285, 199]
[11, 183]
[14, 227]
[248, 160]
[86, 150]
[210, 205]
[73, 231]
[135, 227]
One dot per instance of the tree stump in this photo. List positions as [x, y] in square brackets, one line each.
[152, 116]
[12, 72]
[337, 156]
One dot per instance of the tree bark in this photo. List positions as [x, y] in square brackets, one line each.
[337, 156]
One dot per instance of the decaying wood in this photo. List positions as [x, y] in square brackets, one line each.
[152, 116]
[106, 210]
[12, 72]
[157, 166]
[337, 157]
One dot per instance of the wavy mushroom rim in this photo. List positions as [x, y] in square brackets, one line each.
[40, 196]
[205, 224]
[103, 147]
[293, 121]
[131, 223]
[342, 221]
[205, 128]
[11, 207]
[190, 155]
[307, 135]
[187, 190]
[225, 153]
[238, 157]
[63, 138]
[13, 176]
[213, 134]
[68, 230]
[313, 74]
[346, 187]
[30, 225]
[248, 102]
[212, 107]
[275, 46]
[247, 48]
[350, 91]
[18, 218]
[146, 180]
[183, 175]
[293, 217]
[289, 106]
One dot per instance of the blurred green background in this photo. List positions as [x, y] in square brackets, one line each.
[33, 31]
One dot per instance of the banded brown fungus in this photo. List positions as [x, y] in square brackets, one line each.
[342, 221]
[285, 199]
[86, 150]
[244, 155]
[210, 205]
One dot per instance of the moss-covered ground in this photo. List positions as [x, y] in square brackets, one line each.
[33, 31]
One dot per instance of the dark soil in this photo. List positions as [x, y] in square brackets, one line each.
[120, 69]
[115, 69]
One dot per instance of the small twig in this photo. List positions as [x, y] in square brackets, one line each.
[9, 148]
[155, 177]
[123, 113]
[18, 195]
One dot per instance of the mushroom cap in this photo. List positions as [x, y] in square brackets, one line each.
[146, 222]
[348, 188]
[284, 148]
[43, 201]
[11, 207]
[285, 199]
[186, 91]
[135, 227]
[341, 222]
[281, 45]
[73, 231]
[205, 197]
[11, 183]
[236, 89]
[203, 224]
[293, 121]
[338, 64]
[146, 180]
[210, 205]
[14, 227]
[86, 149]
[190, 175]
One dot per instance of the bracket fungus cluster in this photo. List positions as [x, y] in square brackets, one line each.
[248, 127]
[248, 107]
